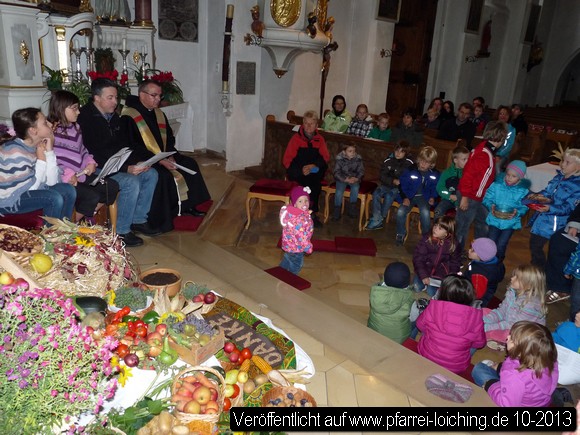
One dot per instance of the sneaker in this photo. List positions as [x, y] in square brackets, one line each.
[374, 225]
[145, 229]
[399, 240]
[496, 345]
[488, 362]
[131, 240]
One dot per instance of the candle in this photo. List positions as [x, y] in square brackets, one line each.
[76, 44]
[88, 41]
[144, 49]
[124, 44]
[230, 11]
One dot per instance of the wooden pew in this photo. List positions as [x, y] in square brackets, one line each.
[373, 152]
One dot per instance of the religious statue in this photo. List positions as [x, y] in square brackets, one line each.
[485, 40]
[536, 55]
[327, 28]
[311, 27]
[257, 25]
[85, 6]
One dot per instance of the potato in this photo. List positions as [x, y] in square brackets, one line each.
[260, 379]
[249, 387]
[180, 430]
[165, 421]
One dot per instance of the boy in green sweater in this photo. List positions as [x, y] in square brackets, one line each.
[449, 180]
[382, 131]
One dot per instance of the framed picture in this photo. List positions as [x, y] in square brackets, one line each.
[389, 10]
[532, 23]
[474, 16]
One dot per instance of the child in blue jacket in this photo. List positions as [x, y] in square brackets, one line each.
[418, 186]
[503, 199]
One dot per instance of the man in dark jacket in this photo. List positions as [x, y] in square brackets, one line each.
[100, 126]
[459, 127]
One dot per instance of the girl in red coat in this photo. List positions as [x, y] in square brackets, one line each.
[436, 255]
[451, 326]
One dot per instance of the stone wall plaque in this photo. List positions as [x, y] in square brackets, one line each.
[178, 20]
[246, 78]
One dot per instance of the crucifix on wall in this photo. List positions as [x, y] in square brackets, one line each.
[326, 51]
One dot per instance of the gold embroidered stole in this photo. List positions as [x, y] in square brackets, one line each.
[152, 145]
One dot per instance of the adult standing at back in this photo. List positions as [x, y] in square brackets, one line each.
[459, 127]
[338, 119]
[147, 131]
[306, 160]
[100, 125]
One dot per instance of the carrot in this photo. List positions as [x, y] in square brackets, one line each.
[190, 379]
[178, 397]
[188, 386]
[203, 380]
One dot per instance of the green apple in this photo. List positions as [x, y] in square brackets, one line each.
[243, 377]
[6, 278]
[232, 376]
[229, 390]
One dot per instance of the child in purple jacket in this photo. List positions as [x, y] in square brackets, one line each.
[529, 375]
[297, 229]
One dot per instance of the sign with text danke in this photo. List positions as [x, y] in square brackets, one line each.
[246, 336]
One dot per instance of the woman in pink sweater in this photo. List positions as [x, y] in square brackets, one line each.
[451, 326]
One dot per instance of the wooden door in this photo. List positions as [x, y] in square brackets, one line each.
[410, 63]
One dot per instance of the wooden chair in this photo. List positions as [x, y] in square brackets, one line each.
[366, 188]
[109, 212]
[414, 210]
[268, 190]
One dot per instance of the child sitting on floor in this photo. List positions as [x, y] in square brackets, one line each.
[484, 262]
[524, 300]
[503, 199]
[436, 255]
[297, 229]
[529, 375]
[348, 172]
[390, 303]
[451, 326]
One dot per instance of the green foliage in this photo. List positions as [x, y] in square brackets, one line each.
[191, 289]
[81, 89]
[132, 297]
[104, 60]
[55, 78]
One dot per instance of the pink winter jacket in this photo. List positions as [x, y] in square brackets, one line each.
[523, 388]
[450, 330]
[297, 229]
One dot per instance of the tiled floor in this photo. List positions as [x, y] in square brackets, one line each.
[354, 365]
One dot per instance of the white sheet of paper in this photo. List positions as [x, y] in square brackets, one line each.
[156, 158]
[113, 164]
[568, 236]
[184, 169]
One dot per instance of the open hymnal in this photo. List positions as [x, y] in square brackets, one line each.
[113, 165]
[156, 158]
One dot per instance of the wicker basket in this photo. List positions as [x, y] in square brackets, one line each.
[210, 418]
[35, 244]
[283, 393]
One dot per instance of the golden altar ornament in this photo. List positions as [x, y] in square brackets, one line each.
[285, 12]
[24, 51]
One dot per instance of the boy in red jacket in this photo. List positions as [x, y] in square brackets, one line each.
[478, 174]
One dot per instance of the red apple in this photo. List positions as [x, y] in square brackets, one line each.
[21, 283]
[229, 346]
[234, 356]
[198, 298]
[185, 392]
[209, 298]
[214, 394]
[212, 405]
[161, 329]
[202, 395]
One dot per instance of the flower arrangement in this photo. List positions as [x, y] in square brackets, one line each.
[51, 369]
[172, 93]
[123, 82]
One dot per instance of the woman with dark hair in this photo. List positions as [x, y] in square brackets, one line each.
[447, 111]
[408, 130]
[338, 119]
[29, 175]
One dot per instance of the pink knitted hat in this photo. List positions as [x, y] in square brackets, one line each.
[297, 192]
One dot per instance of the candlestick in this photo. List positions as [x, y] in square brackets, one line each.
[124, 44]
[124, 54]
[77, 70]
[230, 11]
[144, 49]
[89, 53]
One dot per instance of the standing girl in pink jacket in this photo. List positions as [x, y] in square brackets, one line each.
[451, 326]
[529, 375]
[297, 229]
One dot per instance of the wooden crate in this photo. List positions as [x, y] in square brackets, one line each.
[198, 354]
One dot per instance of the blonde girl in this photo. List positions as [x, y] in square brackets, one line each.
[524, 300]
[558, 200]
[436, 255]
[529, 375]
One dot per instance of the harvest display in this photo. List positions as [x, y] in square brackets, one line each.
[205, 353]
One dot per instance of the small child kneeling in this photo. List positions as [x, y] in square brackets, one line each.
[390, 303]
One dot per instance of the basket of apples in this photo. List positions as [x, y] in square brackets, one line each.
[197, 395]
[201, 294]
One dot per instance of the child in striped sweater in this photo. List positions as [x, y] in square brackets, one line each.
[76, 164]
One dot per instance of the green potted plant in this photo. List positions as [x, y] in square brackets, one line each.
[132, 296]
[55, 78]
[81, 89]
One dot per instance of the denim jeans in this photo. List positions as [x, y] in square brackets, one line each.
[420, 286]
[135, 195]
[380, 209]
[340, 188]
[482, 373]
[574, 298]
[293, 262]
[56, 201]
[424, 215]
[477, 212]
[442, 208]
[501, 239]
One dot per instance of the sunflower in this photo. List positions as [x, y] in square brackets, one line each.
[124, 371]
[84, 241]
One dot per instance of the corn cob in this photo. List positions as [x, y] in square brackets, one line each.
[245, 365]
[262, 364]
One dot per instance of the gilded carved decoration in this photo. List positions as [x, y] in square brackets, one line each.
[321, 10]
[285, 12]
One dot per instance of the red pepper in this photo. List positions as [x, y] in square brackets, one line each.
[131, 326]
[141, 331]
[120, 314]
[140, 323]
